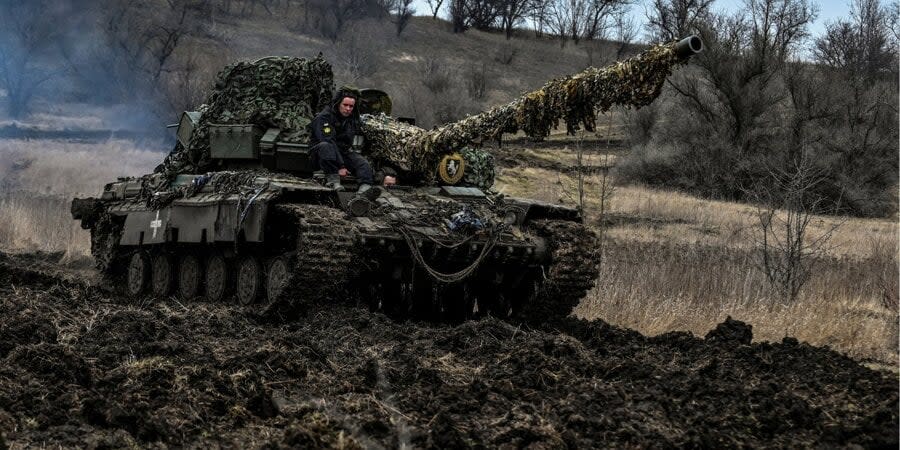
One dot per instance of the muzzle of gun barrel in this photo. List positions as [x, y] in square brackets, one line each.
[689, 46]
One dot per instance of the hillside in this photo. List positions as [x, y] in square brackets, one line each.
[428, 68]
[427, 48]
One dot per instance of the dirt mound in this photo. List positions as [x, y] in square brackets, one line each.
[82, 369]
[733, 331]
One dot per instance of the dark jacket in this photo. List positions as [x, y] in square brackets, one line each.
[330, 126]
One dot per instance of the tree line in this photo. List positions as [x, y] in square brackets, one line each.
[767, 101]
[574, 20]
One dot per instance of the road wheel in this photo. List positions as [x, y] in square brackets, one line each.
[249, 280]
[138, 275]
[277, 278]
[161, 275]
[217, 278]
[190, 276]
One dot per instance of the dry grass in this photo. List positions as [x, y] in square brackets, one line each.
[42, 223]
[655, 215]
[655, 288]
[675, 262]
[67, 168]
[38, 180]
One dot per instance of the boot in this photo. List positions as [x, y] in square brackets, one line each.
[369, 192]
[333, 181]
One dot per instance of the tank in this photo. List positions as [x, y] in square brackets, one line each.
[237, 212]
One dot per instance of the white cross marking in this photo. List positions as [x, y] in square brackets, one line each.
[155, 224]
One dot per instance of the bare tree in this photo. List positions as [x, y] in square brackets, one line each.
[512, 13]
[506, 53]
[598, 16]
[483, 14]
[626, 32]
[674, 19]
[739, 114]
[786, 246]
[860, 60]
[567, 19]
[28, 32]
[459, 15]
[435, 7]
[745, 56]
[606, 188]
[612, 41]
[894, 19]
[403, 12]
[190, 78]
[582, 19]
[144, 59]
[539, 15]
[331, 17]
[476, 81]
[357, 55]
[436, 75]
[146, 46]
[862, 45]
[580, 172]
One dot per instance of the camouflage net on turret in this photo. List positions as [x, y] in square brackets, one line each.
[287, 92]
[279, 92]
[576, 99]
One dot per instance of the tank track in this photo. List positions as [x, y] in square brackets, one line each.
[108, 258]
[324, 261]
[571, 273]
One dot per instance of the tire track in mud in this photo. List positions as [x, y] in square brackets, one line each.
[81, 368]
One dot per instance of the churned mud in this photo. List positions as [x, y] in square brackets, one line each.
[83, 368]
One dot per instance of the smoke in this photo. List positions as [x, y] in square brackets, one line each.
[67, 168]
[137, 60]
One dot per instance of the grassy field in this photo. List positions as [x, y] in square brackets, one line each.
[39, 178]
[675, 262]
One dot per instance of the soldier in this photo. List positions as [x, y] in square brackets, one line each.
[331, 140]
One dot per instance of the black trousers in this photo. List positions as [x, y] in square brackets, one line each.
[328, 158]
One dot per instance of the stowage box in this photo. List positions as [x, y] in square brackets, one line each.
[234, 141]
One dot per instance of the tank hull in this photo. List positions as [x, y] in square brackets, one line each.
[284, 243]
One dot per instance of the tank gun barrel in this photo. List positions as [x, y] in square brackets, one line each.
[688, 47]
[633, 82]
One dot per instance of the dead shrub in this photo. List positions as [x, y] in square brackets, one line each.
[506, 53]
[476, 81]
[358, 56]
[436, 75]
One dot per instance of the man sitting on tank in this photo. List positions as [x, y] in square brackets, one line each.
[331, 143]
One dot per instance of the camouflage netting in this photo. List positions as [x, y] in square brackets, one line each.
[479, 167]
[634, 82]
[280, 92]
[157, 192]
[388, 139]
[287, 92]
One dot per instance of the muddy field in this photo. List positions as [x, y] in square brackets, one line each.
[82, 368]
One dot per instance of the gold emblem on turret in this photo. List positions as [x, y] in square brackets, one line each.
[452, 168]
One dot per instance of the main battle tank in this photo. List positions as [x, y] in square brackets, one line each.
[237, 209]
